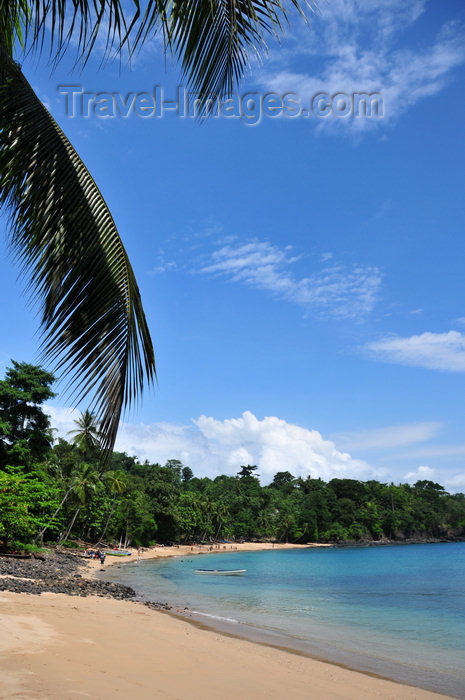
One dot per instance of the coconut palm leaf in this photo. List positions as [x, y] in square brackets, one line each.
[57, 23]
[66, 240]
[86, 437]
[215, 38]
[13, 19]
[63, 234]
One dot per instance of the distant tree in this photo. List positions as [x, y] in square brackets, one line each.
[286, 525]
[62, 459]
[120, 460]
[345, 512]
[247, 472]
[25, 432]
[348, 488]
[220, 514]
[25, 502]
[117, 484]
[163, 486]
[86, 435]
[284, 481]
[194, 515]
[429, 491]
[83, 484]
[176, 466]
[134, 521]
[186, 474]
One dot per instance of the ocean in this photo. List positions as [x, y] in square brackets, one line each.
[397, 611]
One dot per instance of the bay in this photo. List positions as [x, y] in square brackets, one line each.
[397, 611]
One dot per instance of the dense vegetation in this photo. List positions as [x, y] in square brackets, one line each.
[61, 491]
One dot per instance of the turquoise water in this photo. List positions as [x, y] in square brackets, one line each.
[398, 610]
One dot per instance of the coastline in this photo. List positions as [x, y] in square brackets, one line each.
[161, 551]
[363, 658]
[183, 550]
[57, 646]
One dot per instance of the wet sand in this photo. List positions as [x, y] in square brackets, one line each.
[58, 647]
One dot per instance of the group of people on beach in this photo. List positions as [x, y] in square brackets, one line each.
[96, 554]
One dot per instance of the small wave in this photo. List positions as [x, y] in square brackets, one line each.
[216, 617]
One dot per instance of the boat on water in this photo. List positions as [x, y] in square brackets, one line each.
[221, 572]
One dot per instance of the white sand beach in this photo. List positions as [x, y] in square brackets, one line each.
[60, 647]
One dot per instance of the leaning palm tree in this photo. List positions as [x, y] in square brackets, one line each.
[116, 482]
[83, 481]
[93, 323]
[84, 484]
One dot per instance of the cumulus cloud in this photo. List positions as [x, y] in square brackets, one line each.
[440, 351]
[388, 437]
[421, 474]
[335, 290]
[212, 447]
[456, 482]
[360, 45]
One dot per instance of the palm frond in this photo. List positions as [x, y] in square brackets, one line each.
[214, 39]
[95, 330]
[55, 24]
[14, 16]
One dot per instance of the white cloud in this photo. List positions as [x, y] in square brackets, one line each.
[161, 266]
[336, 290]
[421, 474]
[388, 437]
[359, 44]
[62, 419]
[212, 447]
[275, 445]
[440, 351]
[456, 482]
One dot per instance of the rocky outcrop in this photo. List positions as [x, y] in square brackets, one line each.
[57, 572]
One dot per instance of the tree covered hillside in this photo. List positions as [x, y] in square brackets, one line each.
[64, 490]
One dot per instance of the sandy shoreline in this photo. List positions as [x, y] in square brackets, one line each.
[59, 647]
[160, 552]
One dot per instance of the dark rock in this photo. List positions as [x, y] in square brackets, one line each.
[57, 572]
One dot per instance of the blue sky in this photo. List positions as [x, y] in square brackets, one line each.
[303, 277]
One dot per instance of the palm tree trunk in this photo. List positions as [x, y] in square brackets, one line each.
[70, 527]
[217, 534]
[40, 536]
[108, 520]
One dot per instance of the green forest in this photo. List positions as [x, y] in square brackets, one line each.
[64, 491]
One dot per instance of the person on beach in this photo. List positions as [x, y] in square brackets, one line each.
[139, 554]
[102, 557]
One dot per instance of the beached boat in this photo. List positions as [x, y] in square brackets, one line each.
[118, 553]
[221, 572]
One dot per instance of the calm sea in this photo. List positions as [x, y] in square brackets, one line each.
[398, 611]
